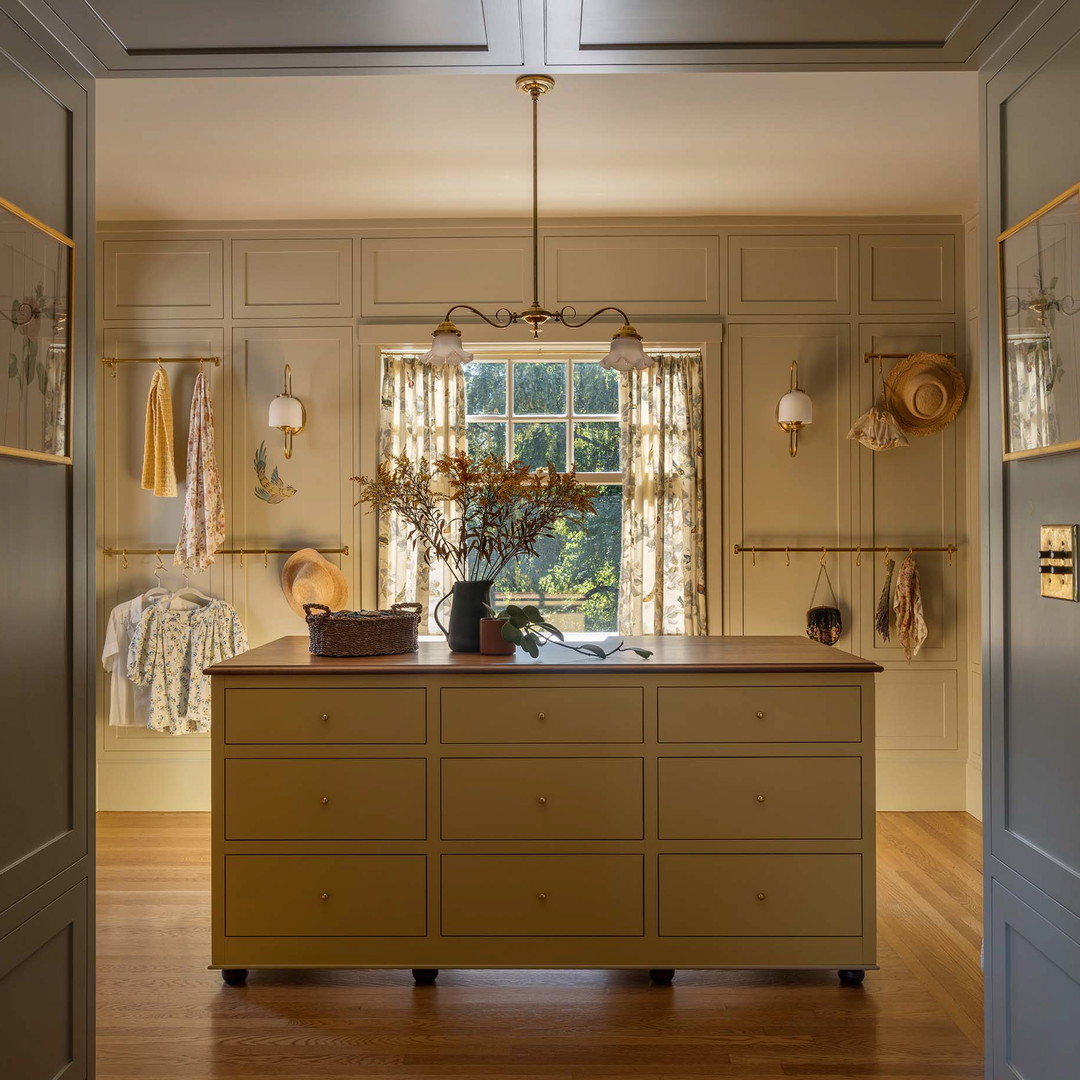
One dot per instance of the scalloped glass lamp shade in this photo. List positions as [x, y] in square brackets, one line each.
[626, 353]
[446, 347]
[795, 408]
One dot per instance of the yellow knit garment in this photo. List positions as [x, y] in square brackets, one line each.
[159, 469]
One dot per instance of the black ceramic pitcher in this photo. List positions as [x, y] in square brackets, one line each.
[472, 602]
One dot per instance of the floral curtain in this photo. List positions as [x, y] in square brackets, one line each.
[662, 587]
[1032, 371]
[422, 415]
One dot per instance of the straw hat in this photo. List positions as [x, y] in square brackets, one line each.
[309, 578]
[925, 391]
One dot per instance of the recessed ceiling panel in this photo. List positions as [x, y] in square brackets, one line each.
[137, 37]
[164, 26]
[727, 24]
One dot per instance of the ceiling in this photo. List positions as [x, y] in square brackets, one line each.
[138, 37]
[430, 146]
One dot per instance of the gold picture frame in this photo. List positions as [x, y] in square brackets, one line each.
[1038, 262]
[37, 327]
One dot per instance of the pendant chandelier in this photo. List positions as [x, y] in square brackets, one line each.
[626, 352]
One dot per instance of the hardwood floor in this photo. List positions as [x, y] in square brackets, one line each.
[162, 1016]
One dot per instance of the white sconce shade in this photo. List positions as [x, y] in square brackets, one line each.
[795, 408]
[627, 353]
[446, 346]
[287, 413]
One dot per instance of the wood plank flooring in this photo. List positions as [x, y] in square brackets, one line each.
[162, 1016]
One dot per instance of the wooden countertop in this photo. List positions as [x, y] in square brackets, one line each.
[290, 656]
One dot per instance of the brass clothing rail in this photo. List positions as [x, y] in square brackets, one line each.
[867, 357]
[123, 553]
[112, 361]
[744, 549]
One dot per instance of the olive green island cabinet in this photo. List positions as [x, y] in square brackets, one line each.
[710, 807]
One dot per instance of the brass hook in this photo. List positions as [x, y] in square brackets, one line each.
[266, 558]
[753, 556]
[858, 556]
[124, 564]
[241, 558]
[787, 556]
[950, 550]
[885, 558]
[824, 554]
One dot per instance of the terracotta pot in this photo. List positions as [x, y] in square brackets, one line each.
[491, 639]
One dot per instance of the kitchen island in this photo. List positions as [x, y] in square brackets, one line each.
[712, 806]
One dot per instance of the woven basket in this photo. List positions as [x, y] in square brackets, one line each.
[363, 633]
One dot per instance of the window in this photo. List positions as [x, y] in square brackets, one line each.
[566, 412]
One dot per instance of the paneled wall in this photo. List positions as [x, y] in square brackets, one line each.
[326, 298]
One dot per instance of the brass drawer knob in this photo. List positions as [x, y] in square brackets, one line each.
[324, 716]
[760, 715]
[541, 716]
[324, 800]
[325, 896]
[541, 800]
[761, 896]
[760, 798]
[541, 896]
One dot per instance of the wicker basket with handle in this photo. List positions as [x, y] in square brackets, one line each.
[363, 633]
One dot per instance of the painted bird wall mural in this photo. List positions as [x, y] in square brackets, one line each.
[271, 489]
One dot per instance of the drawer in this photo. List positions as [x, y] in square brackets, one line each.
[282, 715]
[759, 714]
[542, 799]
[761, 896]
[325, 896]
[543, 896]
[325, 799]
[533, 714]
[760, 798]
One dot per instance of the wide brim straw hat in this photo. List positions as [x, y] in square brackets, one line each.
[925, 392]
[309, 578]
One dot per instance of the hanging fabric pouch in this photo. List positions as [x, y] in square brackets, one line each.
[824, 624]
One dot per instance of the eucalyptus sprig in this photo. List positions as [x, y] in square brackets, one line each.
[527, 628]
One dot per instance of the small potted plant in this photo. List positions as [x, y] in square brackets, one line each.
[527, 628]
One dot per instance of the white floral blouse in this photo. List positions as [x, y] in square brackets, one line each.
[168, 653]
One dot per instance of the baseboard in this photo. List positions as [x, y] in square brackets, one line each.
[154, 785]
[974, 784]
[921, 785]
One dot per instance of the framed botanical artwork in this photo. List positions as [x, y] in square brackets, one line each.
[37, 288]
[1039, 301]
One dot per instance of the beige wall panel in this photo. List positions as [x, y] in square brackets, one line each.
[909, 496]
[274, 279]
[907, 275]
[916, 709]
[647, 275]
[777, 499]
[425, 275]
[320, 513]
[789, 275]
[162, 279]
[132, 517]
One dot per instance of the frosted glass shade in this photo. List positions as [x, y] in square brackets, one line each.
[795, 408]
[286, 412]
[446, 349]
[626, 354]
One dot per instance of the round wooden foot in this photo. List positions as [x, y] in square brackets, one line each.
[425, 976]
[851, 978]
[662, 976]
[234, 976]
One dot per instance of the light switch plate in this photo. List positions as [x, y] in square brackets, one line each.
[1057, 562]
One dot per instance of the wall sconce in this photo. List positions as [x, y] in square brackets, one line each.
[795, 409]
[287, 413]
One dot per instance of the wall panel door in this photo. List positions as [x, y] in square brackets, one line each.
[909, 275]
[162, 279]
[320, 512]
[789, 274]
[278, 279]
[776, 499]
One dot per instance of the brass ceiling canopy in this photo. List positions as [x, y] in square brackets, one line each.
[626, 351]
